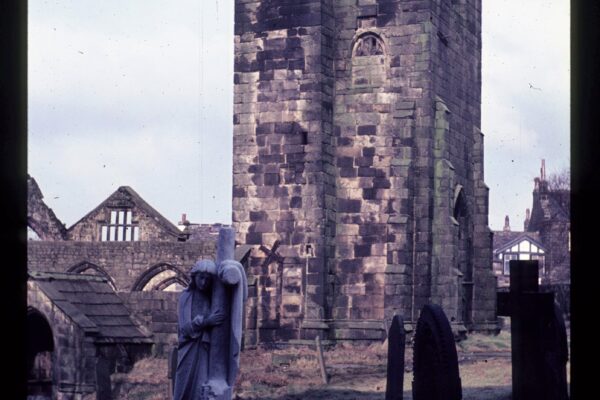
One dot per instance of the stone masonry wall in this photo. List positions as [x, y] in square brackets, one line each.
[124, 262]
[283, 165]
[157, 310]
[89, 228]
[456, 77]
[40, 217]
[376, 107]
[555, 235]
[74, 358]
[379, 101]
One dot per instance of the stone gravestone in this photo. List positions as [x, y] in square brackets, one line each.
[210, 326]
[435, 362]
[395, 364]
[103, 385]
[172, 367]
[538, 336]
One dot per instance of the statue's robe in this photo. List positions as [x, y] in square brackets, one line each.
[193, 351]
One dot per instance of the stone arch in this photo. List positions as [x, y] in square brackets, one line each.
[157, 276]
[464, 250]
[460, 203]
[169, 284]
[32, 234]
[368, 44]
[84, 266]
[36, 227]
[40, 354]
[369, 62]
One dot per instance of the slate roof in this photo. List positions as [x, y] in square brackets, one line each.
[93, 305]
[133, 197]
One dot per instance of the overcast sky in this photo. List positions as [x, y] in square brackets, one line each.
[140, 93]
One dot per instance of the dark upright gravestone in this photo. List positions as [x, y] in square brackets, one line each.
[171, 370]
[435, 362]
[395, 364]
[538, 336]
[103, 385]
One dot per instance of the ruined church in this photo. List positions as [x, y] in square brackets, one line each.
[358, 165]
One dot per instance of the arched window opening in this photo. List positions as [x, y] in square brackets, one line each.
[369, 66]
[369, 44]
[89, 268]
[40, 350]
[460, 204]
[32, 235]
[161, 277]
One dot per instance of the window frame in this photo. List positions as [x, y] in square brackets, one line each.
[121, 227]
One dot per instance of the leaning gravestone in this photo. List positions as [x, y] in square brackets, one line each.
[395, 364]
[538, 336]
[435, 362]
[210, 326]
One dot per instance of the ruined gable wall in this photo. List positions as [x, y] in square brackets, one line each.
[40, 217]
[89, 228]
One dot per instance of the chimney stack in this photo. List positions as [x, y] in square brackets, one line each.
[527, 217]
[184, 220]
[543, 171]
[506, 224]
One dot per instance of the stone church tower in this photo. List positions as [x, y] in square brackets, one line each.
[358, 164]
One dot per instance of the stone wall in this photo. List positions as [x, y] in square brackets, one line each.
[151, 225]
[283, 182]
[136, 270]
[410, 160]
[357, 147]
[40, 217]
[74, 357]
[550, 217]
[555, 234]
[124, 263]
[157, 311]
[456, 81]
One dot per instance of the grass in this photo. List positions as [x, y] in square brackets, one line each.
[485, 343]
[355, 373]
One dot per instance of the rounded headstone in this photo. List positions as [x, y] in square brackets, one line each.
[435, 361]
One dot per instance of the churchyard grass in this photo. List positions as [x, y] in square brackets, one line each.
[355, 373]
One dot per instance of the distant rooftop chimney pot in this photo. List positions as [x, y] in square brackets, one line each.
[506, 224]
[184, 220]
[543, 170]
[527, 218]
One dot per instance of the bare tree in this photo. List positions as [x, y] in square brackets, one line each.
[560, 180]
